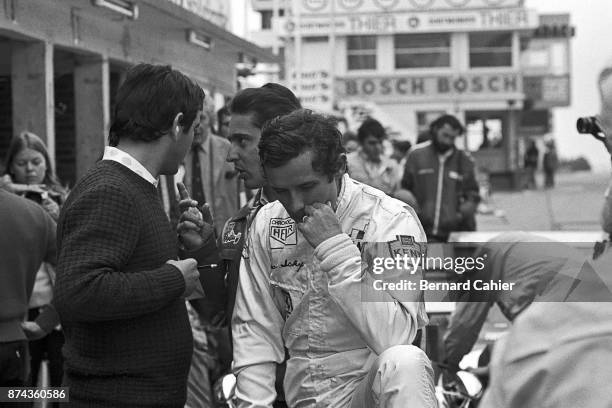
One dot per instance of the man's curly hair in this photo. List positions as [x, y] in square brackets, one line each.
[286, 137]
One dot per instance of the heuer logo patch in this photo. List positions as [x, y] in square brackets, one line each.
[230, 235]
[405, 245]
[282, 233]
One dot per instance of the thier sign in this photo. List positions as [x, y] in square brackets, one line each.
[309, 7]
[457, 86]
[390, 23]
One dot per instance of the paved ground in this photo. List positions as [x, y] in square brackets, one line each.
[574, 204]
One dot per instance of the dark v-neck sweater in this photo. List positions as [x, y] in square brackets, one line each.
[128, 339]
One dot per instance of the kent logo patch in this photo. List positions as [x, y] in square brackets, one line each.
[282, 233]
[405, 245]
[230, 235]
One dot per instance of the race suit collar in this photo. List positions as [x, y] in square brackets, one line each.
[344, 197]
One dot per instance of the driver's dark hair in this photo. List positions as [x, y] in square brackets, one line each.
[264, 103]
[148, 101]
[450, 120]
[286, 137]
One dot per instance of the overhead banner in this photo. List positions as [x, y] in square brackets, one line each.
[391, 23]
[319, 7]
[466, 86]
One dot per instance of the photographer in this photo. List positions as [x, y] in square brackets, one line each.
[605, 124]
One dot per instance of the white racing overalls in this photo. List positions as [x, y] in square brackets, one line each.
[310, 301]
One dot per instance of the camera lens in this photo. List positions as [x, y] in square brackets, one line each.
[587, 124]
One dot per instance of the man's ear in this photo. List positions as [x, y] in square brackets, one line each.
[342, 165]
[176, 128]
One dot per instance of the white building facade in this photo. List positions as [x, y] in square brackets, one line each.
[405, 62]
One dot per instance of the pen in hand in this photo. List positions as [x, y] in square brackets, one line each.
[207, 266]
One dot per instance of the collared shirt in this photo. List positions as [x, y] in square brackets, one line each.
[383, 175]
[121, 157]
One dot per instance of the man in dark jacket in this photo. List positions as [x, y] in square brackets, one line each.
[442, 179]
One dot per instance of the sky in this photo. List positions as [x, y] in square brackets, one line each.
[591, 50]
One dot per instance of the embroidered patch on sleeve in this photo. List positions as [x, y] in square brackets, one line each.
[406, 245]
[282, 233]
[229, 234]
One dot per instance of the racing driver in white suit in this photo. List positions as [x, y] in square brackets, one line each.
[303, 285]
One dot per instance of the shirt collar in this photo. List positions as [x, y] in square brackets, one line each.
[446, 154]
[127, 160]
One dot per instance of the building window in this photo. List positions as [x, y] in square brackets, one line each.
[490, 50]
[422, 50]
[361, 52]
[484, 131]
[266, 18]
[316, 39]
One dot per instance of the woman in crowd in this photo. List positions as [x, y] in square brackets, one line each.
[29, 173]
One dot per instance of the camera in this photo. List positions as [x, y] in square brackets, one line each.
[589, 125]
[34, 196]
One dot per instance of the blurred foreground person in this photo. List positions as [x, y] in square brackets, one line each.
[120, 289]
[301, 283]
[368, 164]
[442, 179]
[27, 240]
[30, 173]
[605, 123]
[559, 354]
[532, 266]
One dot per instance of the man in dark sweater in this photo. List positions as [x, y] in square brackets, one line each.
[27, 240]
[120, 289]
